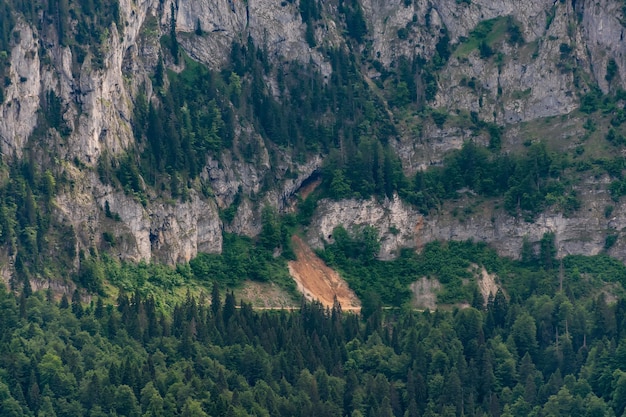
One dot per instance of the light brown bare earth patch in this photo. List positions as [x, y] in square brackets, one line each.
[264, 296]
[425, 289]
[486, 282]
[425, 293]
[317, 281]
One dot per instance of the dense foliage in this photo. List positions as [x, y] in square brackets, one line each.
[542, 356]
[28, 231]
[528, 183]
[454, 264]
[241, 260]
[175, 138]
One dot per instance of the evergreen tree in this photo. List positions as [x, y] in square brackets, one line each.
[173, 39]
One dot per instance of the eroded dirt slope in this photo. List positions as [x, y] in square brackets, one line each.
[317, 281]
[487, 284]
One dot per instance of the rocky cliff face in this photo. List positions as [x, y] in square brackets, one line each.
[397, 223]
[21, 101]
[518, 82]
[401, 226]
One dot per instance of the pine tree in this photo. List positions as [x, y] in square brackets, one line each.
[64, 302]
[229, 307]
[99, 311]
[173, 40]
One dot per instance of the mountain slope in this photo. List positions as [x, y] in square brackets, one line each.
[147, 129]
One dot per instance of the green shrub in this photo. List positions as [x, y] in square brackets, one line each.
[611, 70]
[610, 241]
[439, 117]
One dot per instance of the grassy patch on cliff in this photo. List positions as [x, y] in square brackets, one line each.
[242, 260]
[486, 33]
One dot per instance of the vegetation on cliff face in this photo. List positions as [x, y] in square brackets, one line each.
[143, 340]
[352, 109]
[549, 344]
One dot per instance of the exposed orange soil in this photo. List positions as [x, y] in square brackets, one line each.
[319, 282]
[309, 188]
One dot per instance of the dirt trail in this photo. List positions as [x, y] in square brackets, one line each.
[319, 282]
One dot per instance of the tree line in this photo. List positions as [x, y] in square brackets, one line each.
[540, 356]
